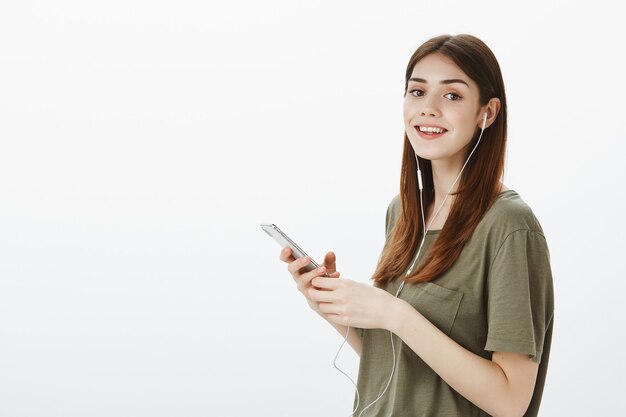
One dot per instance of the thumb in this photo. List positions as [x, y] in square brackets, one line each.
[330, 262]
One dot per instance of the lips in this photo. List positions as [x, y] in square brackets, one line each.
[430, 132]
[431, 129]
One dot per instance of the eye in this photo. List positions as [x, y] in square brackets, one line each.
[453, 96]
[421, 93]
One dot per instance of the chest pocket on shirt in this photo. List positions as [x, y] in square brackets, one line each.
[438, 304]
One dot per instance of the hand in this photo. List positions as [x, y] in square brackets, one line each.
[353, 304]
[302, 278]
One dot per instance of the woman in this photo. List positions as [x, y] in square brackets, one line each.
[459, 319]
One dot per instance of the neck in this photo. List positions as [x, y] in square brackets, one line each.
[445, 172]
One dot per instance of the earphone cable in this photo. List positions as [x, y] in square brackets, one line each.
[347, 376]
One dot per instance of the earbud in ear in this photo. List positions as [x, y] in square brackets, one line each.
[484, 120]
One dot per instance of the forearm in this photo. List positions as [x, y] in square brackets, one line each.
[353, 340]
[353, 337]
[481, 381]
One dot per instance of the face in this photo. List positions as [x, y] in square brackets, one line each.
[441, 110]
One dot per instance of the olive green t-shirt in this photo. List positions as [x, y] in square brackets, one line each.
[497, 296]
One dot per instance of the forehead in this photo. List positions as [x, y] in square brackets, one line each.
[436, 67]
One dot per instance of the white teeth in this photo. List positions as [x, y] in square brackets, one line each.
[431, 129]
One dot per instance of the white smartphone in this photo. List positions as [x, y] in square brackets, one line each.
[285, 242]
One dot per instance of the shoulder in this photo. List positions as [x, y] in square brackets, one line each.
[395, 204]
[512, 224]
[393, 212]
[394, 208]
[510, 213]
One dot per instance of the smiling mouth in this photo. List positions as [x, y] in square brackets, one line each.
[430, 130]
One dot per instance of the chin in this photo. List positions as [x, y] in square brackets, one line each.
[423, 151]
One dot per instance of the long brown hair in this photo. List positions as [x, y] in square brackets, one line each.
[478, 186]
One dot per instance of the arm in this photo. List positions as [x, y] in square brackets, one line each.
[353, 338]
[501, 387]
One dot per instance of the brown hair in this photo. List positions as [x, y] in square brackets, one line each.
[478, 186]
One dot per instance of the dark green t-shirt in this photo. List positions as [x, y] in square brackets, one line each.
[497, 296]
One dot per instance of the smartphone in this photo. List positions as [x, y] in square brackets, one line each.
[285, 242]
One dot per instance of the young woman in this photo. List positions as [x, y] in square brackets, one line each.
[459, 319]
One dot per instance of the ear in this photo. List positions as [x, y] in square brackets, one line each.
[492, 108]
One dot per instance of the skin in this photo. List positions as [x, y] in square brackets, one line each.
[502, 386]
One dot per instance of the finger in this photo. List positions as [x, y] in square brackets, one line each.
[338, 318]
[306, 278]
[330, 261]
[320, 295]
[298, 264]
[334, 275]
[329, 308]
[326, 283]
[285, 255]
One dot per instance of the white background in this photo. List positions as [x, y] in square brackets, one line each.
[143, 142]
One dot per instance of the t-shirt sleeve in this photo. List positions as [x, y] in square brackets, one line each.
[390, 220]
[391, 217]
[520, 298]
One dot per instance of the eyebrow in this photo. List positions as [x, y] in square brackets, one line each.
[451, 81]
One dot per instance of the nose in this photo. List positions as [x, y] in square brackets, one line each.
[429, 107]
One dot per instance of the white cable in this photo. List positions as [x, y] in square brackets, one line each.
[347, 376]
[393, 349]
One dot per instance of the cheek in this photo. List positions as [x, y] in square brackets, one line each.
[408, 112]
[463, 121]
